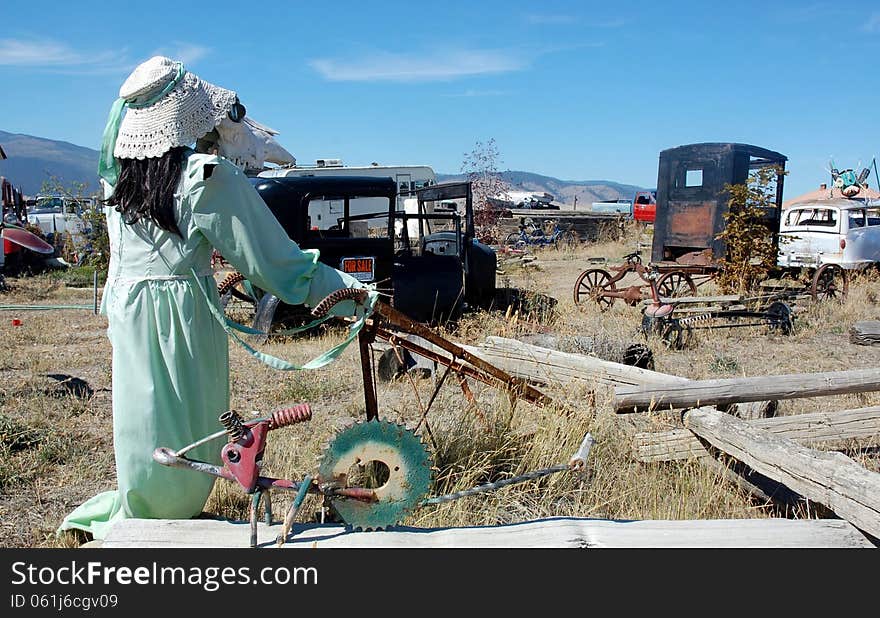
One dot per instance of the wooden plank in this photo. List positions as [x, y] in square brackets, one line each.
[734, 390]
[865, 333]
[546, 366]
[829, 478]
[551, 366]
[856, 428]
[558, 532]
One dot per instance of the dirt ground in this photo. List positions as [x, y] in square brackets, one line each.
[57, 444]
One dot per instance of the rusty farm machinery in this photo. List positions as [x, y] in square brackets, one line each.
[374, 472]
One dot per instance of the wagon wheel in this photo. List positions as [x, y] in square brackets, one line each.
[514, 241]
[591, 285]
[567, 240]
[829, 283]
[676, 284]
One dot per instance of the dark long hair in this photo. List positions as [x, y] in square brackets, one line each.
[145, 189]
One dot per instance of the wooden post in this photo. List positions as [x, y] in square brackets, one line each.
[544, 365]
[830, 478]
[721, 392]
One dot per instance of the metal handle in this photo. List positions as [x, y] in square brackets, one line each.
[578, 461]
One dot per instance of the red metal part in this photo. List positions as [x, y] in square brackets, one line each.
[242, 458]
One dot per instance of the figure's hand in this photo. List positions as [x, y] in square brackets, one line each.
[327, 280]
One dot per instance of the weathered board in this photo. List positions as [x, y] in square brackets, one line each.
[865, 333]
[733, 390]
[560, 532]
[859, 427]
[829, 478]
[547, 366]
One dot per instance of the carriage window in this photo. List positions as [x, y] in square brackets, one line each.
[693, 178]
[873, 217]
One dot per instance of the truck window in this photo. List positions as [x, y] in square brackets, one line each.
[824, 217]
[856, 219]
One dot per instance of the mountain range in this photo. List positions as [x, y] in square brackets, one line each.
[34, 160]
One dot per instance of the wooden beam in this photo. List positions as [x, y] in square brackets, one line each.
[856, 428]
[829, 478]
[546, 366]
[865, 333]
[557, 532]
[551, 366]
[733, 390]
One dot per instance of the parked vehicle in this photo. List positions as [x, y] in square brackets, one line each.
[645, 206]
[425, 259]
[56, 214]
[620, 207]
[407, 178]
[845, 232]
[692, 201]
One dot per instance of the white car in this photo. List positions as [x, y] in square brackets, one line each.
[57, 215]
[845, 232]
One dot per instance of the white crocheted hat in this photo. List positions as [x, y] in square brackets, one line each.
[167, 106]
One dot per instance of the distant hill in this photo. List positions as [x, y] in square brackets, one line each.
[564, 191]
[33, 160]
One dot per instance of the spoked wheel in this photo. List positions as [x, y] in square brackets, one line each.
[567, 240]
[676, 284]
[830, 283]
[592, 285]
[514, 241]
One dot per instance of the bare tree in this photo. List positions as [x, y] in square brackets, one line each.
[481, 167]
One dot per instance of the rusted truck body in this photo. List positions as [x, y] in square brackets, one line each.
[692, 200]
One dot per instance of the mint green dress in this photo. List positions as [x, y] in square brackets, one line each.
[170, 353]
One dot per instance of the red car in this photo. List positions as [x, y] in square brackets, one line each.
[645, 206]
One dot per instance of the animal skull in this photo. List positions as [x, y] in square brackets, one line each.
[249, 144]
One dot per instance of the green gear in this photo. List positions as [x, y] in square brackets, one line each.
[409, 472]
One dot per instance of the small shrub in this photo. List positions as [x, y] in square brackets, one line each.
[751, 250]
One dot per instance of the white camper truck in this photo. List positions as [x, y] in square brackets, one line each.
[325, 213]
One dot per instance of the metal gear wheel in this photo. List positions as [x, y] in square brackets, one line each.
[408, 472]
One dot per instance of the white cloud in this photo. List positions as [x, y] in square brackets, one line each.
[47, 53]
[872, 24]
[52, 56]
[433, 66]
[187, 53]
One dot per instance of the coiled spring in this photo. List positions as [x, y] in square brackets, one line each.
[298, 413]
[229, 281]
[233, 424]
[323, 308]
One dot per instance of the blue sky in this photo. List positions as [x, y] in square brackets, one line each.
[575, 90]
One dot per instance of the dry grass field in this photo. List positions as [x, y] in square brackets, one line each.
[56, 448]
